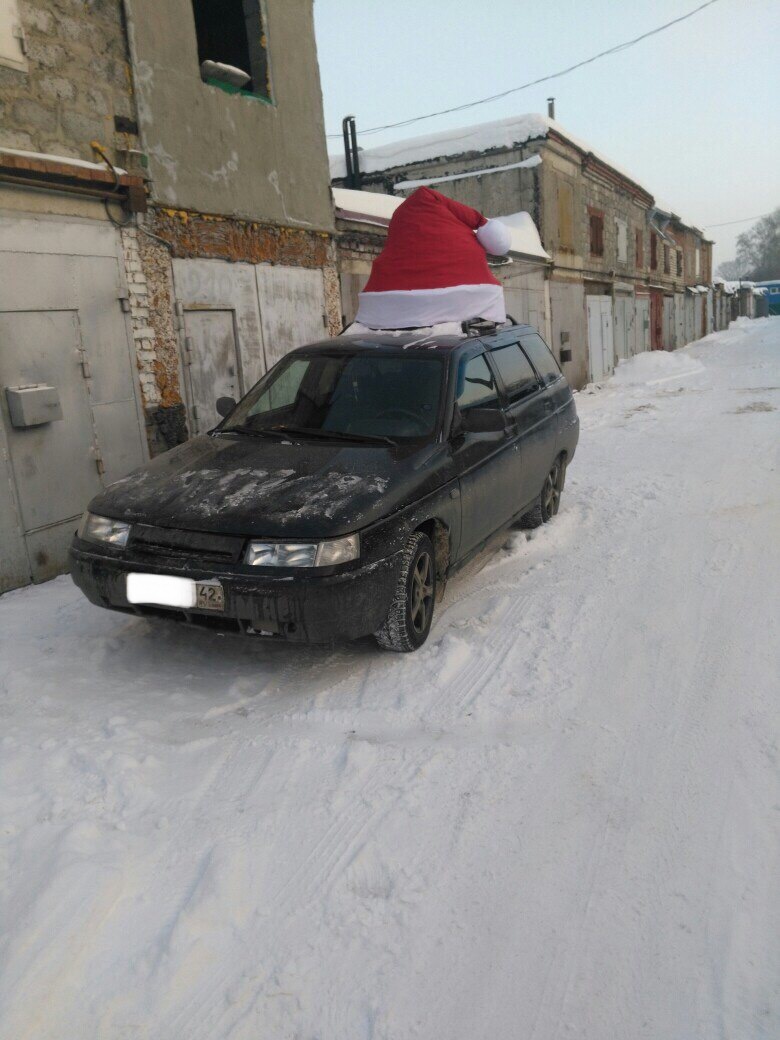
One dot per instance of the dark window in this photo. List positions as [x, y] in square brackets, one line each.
[356, 395]
[476, 385]
[596, 232]
[667, 266]
[231, 32]
[639, 247]
[653, 251]
[515, 371]
[539, 353]
[679, 262]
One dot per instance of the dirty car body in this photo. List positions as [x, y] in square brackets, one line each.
[290, 518]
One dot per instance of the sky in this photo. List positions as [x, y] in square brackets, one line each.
[692, 113]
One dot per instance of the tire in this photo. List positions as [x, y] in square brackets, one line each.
[408, 621]
[548, 503]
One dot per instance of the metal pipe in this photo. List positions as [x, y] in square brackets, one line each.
[347, 152]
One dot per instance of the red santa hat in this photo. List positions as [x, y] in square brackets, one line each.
[433, 267]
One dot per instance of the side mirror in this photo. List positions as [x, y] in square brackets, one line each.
[482, 420]
[225, 406]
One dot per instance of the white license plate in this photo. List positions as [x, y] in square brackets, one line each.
[165, 590]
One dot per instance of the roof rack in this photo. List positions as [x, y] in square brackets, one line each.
[482, 327]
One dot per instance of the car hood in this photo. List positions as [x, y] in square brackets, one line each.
[264, 488]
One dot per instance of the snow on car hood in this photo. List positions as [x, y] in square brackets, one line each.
[252, 486]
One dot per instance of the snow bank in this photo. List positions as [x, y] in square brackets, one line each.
[654, 366]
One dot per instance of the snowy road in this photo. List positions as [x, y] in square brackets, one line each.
[560, 819]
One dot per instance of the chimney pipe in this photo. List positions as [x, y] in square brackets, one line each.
[551, 107]
[349, 130]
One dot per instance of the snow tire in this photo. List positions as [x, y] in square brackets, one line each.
[408, 621]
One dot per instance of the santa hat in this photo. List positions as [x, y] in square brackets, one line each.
[433, 267]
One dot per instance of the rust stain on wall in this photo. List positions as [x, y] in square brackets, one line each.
[202, 235]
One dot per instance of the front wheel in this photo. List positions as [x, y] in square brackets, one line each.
[408, 621]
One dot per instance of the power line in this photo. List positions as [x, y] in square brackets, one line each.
[744, 220]
[542, 79]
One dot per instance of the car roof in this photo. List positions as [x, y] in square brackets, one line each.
[410, 341]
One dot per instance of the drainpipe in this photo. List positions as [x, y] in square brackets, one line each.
[551, 107]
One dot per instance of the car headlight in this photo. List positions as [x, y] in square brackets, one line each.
[303, 554]
[95, 528]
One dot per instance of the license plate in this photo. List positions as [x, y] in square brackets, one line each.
[209, 595]
[168, 591]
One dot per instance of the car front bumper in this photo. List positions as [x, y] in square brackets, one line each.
[311, 607]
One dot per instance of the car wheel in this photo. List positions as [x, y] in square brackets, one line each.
[549, 500]
[408, 621]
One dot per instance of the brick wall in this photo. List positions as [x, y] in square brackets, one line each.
[77, 80]
[150, 287]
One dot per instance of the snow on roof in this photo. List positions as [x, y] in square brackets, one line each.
[525, 235]
[702, 288]
[481, 137]
[65, 159]
[501, 133]
[372, 207]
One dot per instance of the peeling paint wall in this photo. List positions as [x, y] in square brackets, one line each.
[214, 152]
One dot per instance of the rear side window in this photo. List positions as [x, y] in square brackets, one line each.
[541, 358]
[476, 385]
[518, 376]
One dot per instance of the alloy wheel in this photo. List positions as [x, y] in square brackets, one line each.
[421, 592]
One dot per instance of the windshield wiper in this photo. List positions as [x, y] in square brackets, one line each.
[255, 431]
[337, 435]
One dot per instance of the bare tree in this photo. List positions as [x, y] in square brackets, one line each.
[758, 252]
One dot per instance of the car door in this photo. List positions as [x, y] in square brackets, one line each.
[556, 397]
[528, 413]
[483, 461]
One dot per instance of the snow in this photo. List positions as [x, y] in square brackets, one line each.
[526, 240]
[369, 206]
[500, 133]
[511, 132]
[558, 819]
[66, 159]
[525, 164]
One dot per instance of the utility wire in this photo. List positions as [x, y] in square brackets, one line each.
[744, 220]
[542, 79]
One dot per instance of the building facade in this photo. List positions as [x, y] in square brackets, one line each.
[624, 271]
[166, 233]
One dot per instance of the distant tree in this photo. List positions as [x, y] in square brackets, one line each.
[758, 250]
[730, 270]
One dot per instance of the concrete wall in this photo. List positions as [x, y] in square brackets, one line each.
[75, 83]
[231, 154]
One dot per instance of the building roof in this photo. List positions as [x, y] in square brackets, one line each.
[371, 207]
[496, 135]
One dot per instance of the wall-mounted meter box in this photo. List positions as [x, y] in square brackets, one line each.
[33, 405]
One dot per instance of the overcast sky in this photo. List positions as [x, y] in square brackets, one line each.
[692, 113]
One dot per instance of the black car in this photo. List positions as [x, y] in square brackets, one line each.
[338, 496]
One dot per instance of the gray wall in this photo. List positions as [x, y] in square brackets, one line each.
[229, 154]
[74, 84]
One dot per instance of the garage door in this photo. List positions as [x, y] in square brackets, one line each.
[61, 326]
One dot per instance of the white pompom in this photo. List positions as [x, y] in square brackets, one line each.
[494, 237]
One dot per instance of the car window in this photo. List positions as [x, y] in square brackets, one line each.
[541, 358]
[476, 385]
[516, 372]
[282, 392]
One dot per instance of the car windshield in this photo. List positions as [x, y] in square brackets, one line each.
[349, 396]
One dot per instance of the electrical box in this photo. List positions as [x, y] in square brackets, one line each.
[33, 405]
